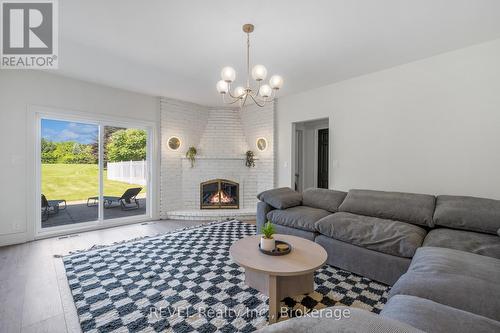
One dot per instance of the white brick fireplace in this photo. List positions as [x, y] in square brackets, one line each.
[221, 136]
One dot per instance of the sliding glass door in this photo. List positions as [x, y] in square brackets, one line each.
[92, 173]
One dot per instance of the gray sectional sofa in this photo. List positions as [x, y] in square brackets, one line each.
[440, 254]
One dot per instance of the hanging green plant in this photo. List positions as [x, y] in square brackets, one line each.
[191, 155]
[250, 160]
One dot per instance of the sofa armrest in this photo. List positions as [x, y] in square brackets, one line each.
[262, 210]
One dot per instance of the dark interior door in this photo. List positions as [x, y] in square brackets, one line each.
[323, 158]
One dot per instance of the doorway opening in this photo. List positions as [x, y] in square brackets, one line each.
[310, 167]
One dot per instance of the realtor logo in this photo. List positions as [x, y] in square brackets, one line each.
[29, 34]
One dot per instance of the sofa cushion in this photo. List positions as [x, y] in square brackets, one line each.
[284, 230]
[474, 242]
[386, 236]
[459, 279]
[433, 317]
[406, 207]
[300, 217]
[329, 200]
[468, 213]
[281, 198]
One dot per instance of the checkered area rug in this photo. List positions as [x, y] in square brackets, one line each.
[186, 282]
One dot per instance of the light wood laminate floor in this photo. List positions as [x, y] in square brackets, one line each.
[34, 292]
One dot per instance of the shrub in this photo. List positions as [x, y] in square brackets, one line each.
[127, 145]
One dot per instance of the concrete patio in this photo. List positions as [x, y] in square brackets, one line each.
[79, 212]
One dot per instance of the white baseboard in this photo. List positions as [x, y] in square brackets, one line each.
[11, 239]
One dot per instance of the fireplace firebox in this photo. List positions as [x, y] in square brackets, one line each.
[219, 194]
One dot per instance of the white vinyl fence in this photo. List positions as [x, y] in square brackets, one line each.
[132, 172]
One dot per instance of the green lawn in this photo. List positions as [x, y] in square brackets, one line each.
[74, 182]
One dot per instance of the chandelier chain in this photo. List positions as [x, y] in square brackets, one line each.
[248, 60]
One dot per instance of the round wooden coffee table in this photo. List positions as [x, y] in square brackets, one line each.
[279, 276]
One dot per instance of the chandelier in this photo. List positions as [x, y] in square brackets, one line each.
[260, 95]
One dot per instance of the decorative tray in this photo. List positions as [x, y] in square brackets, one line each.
[277, 252]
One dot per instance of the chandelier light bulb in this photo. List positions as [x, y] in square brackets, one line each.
[259, 72]
[265, 90]
[228, 74]
[239, 92]
[222, 87]
[276, 82]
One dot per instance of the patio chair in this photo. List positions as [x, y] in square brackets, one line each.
[129, 197]
[51, 206]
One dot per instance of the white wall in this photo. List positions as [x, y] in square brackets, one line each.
[18, 89]
[187, 122]
[431, 126]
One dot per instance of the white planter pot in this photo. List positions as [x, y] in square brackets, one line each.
[267, 244]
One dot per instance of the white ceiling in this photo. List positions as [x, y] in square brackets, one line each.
[177, 48]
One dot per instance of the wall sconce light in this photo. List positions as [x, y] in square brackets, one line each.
[174, 143]
[261, 144]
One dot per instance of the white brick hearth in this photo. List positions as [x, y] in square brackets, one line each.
[221, 136]
[242, 214]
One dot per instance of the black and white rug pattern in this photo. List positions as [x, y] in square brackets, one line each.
[186, 282]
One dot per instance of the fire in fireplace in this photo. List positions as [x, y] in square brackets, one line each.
[219, 194]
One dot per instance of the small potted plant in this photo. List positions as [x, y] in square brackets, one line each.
[267, 241]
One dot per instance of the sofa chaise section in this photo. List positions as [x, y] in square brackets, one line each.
[459, 279]
[432, 317]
